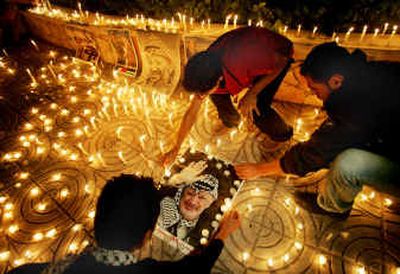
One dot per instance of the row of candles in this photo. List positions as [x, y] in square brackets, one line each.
[185, 23]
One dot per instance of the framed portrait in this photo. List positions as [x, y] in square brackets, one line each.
[195, 194]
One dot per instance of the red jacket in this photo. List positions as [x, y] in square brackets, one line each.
[247, 53]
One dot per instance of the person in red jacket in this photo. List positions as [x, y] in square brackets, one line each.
[251, 58]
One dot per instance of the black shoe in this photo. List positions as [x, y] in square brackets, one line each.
[273, 125]
[308, 201]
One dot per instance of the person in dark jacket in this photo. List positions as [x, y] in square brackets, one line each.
[126, 214]
[358, 141]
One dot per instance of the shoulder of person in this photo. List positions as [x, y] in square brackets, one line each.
[29, 268]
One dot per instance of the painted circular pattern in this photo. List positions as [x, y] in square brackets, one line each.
[273, 234]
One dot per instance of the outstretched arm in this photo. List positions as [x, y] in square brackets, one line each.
[189, 118]
[249, 101]
[251, 171]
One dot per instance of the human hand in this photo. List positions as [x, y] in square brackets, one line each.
[169, 157]
[247, 105]
[229, 223]
[188, 174]
[248, 171]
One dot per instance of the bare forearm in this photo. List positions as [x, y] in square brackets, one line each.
[268, 78]
[271, 168]
[251, 171]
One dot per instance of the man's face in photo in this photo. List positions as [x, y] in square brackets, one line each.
[193, 202]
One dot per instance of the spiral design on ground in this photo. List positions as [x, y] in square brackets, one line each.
[273, 235]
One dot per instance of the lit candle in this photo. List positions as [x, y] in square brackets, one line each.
[121, 157]
[31, 76]
[118, 132]
[298, 29]
[232, 134]
[235, 18]
[209, 23]
[64, 193]
[142, 139]
[226, 25]
[34, 44]
[161, 144]
[184, 22]
[364, 31]
[164, 22]
[376, 31]
[73, 247]
[104, 110]
[300, 226]
[170, 116]
[333, 36]
[360, 270]
[51, 233]
[286, 257]
[98, 154]
[314, 31]
[92, 122]
[80, 146]
[78, 132]
[348, 33]
[115, 108]
[80, 8]
[287, 201]
[167, 172]
[322, 259]
[180, 17]
[393, 32]
[23, 175]
[207, 148]
[285, 30]
[249, 22]
[245, 256]
[385, 27]
[13, 229]
[298, 245]
[126, 109]
[387, 202]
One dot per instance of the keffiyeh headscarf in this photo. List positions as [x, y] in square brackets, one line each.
[108, 257]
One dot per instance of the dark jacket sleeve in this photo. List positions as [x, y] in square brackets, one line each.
[197, 262]
[322, 148]
[29, 268]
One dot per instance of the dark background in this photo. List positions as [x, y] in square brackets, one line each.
[329, 15]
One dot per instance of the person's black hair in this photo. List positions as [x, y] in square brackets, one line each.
[127, 208]
[327, 59]
[202, 72]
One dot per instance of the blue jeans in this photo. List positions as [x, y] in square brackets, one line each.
[352, 169]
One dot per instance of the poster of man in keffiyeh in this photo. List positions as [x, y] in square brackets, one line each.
[195, 196]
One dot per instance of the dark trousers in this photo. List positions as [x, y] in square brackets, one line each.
[269, 122]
